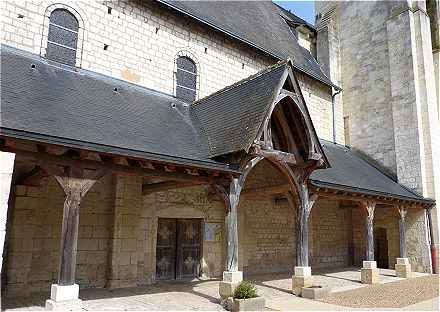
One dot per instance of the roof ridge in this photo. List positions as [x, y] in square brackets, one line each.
[244, 80]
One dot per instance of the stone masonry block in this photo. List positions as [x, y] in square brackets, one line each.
[303, 271]
[232, 277]
[369, 276]
[226, 289]
[369, 264]
[403, 270]
[298, 282]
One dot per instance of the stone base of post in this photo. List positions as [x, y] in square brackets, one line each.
[403, 268]
[230, 282]
[301, 278]
[369, 273]
[64, 298]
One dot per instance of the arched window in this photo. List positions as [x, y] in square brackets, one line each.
[186, 78]
[62, 39]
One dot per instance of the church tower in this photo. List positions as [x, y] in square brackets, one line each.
[385, 57]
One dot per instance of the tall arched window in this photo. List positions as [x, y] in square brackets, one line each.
[186, 78]
[62, 40]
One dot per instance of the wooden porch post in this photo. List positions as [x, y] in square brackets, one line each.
[369, 208]
[306, 202]
[65, 294]
[231, 225]
[402, 236]
[369, 270]
[231, 197]
[74, 189]
[403, 267]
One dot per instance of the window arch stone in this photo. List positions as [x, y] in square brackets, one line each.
[63, 35]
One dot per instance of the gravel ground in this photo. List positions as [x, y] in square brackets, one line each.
[390, 295]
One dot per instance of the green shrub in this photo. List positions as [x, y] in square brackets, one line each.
[245, 290]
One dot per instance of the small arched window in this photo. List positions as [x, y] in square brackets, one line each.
[186, 78]
[62, 40]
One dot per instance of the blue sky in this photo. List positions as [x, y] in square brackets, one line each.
[303, 9]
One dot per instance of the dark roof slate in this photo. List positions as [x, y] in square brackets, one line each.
[231, 117]
[82, 106]
[350, 172]
[79, 108]
[258, 23]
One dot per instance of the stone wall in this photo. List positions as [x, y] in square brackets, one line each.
[143, 39]
[389, 86]
[267, 229]
[190, 202]
[330, 235]
[34, 230]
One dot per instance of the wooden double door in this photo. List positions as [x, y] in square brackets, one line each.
[178, 248]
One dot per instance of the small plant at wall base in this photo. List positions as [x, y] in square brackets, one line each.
[245, 290]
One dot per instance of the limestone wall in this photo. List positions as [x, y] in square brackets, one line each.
[143, 40]
[330, 235]
[267, 229]
[34, 237]
[183, 203]
[388, 75]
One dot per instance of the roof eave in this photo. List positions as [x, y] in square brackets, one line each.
[37, 137]
[340, 187]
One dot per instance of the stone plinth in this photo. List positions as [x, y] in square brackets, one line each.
[403, 268]
[369, 273]
[229, 283]
[251, 304]
[64, 298]
[302, 278]
[315, 292]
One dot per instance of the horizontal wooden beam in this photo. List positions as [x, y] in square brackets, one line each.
[148, 189]
[44, 158]
[331, 194]
[275, 155]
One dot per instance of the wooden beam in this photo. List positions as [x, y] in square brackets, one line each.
[402, 235]
[275, 155]
[74, 189]
[148, 189]
[369, 207]
[116, 168]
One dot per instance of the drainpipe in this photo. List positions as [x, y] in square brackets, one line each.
[334, 112]
[433, 247]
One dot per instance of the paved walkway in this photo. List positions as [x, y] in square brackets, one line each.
[203, 295]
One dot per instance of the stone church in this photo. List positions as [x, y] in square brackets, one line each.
[158, 140]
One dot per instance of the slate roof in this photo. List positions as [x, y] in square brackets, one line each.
[350, 172]
[81, 109]
[257, 23]
[75, 106]
[231, 117]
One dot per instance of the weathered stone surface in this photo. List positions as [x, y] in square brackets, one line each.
[66, 305]
[315, 292]
[251, 304]
[369, 276]
[298, 282]
[403, 270]
[226, 289]
[233, 277]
